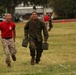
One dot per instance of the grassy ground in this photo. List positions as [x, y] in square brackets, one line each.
[60, 59]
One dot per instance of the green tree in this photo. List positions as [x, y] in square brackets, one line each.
[10, 5]
[43, 3]
[2, 10]
[64, 8]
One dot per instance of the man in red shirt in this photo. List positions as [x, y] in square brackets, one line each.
[8, 34]
[46, 21]
[50, 21]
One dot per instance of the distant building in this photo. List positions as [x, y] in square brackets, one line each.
[26, 11]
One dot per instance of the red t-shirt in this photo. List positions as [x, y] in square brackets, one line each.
[46, 18]
[6, 29]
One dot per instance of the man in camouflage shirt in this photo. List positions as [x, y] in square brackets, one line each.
[33, 32]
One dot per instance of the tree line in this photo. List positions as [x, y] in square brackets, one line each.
[63, 8]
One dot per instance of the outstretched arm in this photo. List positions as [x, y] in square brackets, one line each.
[14, 35]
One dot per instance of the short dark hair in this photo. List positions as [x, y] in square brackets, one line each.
[34, 12]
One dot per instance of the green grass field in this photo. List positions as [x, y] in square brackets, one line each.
[60, 59]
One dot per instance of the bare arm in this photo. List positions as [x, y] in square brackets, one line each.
[14, 35]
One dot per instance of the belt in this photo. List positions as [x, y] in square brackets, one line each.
[7, 38]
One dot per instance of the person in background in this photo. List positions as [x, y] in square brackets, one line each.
[8, 35]
[50, 21]
[46, 19]
[33, 32]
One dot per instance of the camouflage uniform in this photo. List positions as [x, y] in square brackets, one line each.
[33, 31]
[50, 24]
[47, 25]
[8, 47]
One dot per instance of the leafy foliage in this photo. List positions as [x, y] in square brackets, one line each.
[64, 8]
[11, 4]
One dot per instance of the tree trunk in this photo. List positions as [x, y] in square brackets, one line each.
[44, 10]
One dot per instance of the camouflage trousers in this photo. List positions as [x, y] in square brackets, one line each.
[47, 25]
[9, 48]
[35, 49]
